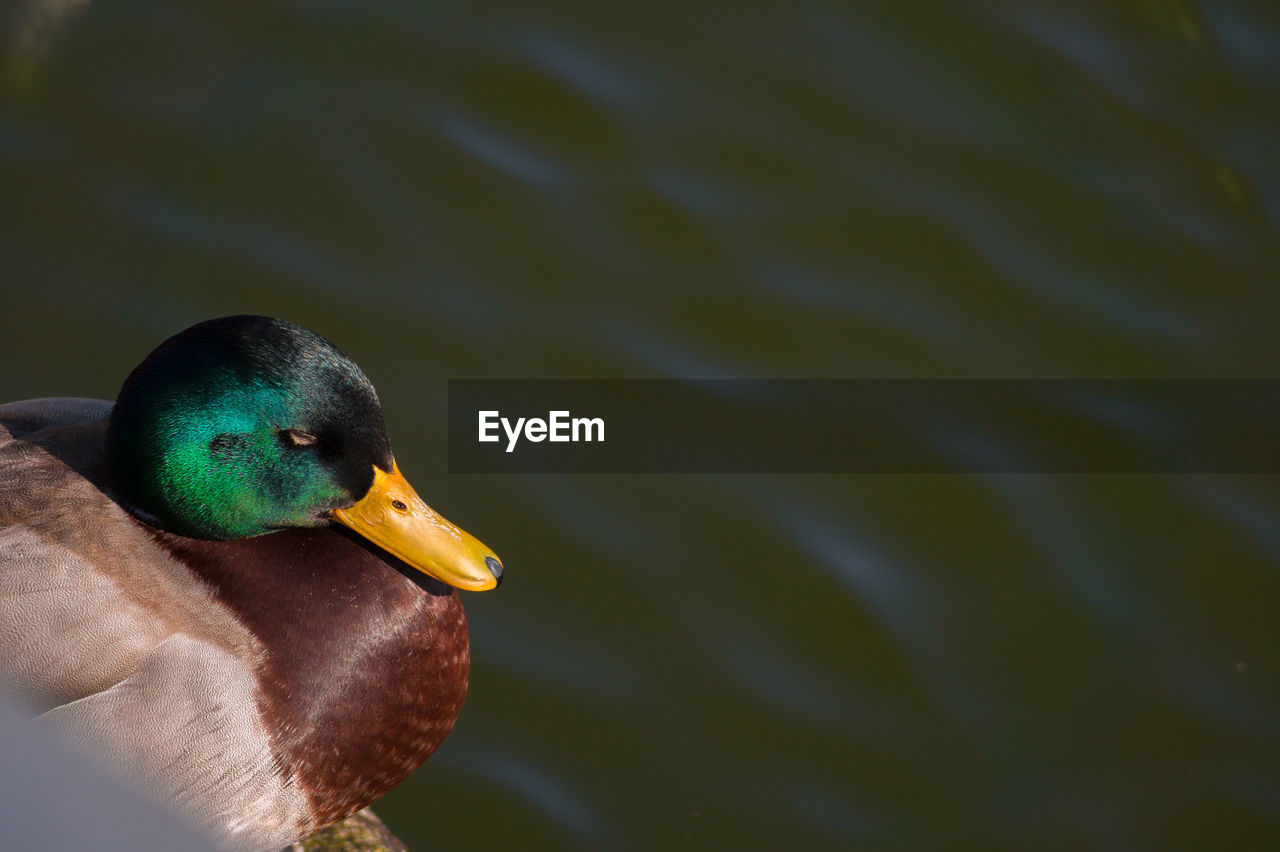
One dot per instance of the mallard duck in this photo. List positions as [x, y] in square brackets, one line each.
[211, 582]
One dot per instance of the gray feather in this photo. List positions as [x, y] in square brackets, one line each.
[119, 644]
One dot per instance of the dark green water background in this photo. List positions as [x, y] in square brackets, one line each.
[735, 190]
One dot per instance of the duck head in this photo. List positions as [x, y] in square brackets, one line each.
[245, 425]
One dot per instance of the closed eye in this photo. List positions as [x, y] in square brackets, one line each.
[298, 438]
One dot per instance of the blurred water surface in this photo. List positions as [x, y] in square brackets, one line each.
[715, 190]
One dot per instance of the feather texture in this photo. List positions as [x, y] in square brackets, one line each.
[266, 687]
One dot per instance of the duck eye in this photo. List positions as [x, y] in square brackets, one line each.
[298, 438]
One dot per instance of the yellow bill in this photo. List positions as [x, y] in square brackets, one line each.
[395, 518]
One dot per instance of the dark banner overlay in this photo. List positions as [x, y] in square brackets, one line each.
[864, 426]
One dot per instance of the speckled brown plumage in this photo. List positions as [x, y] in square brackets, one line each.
[357, 664]
[365, 669]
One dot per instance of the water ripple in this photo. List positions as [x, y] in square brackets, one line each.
[498, 151]
[1253, 514]
[288, 255]
[906, 313]
[588, 72]
[546, 792]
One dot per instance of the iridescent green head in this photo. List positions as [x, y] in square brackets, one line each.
[244, 425]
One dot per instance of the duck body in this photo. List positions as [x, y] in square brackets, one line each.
[267, 686]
